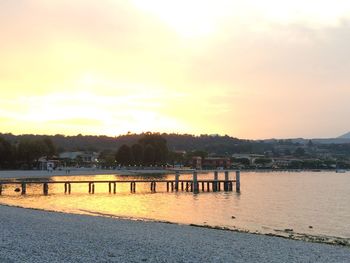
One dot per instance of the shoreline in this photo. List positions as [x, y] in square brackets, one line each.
[289, 235]
[40, 236]
[16, 174]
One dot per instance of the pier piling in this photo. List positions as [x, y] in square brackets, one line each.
[238, 181]
[46, 188]
[226, 186]
[215, 183]
[24, 188]
[195, 182]
[177, 175]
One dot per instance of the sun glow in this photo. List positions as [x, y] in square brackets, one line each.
[188, 18]
[199, 66]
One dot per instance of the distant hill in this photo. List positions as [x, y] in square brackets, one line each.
[345, 136]
[214, 144]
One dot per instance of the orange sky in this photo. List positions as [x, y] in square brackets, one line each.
[258, 69]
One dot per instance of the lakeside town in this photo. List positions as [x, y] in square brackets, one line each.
[152, 150]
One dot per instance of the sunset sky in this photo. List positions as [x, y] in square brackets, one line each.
[249, 69]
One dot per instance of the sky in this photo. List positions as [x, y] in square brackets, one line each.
[249, 69]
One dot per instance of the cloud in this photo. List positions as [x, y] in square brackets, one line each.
[134, 66]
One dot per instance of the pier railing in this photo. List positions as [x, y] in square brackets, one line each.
[193, 185]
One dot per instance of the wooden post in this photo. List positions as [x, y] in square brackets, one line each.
[172, 186]
[215, 184]
[177, 175]
[202, 186]
[0, 189]
[153, 186]
[186, 186]
[195, 182]
[89, 188]
[92, 188]
[167, 186]
[226, 181]
[110, 187]
[65, 188]
[24, 188]
[208, 186]
[238, 181]
[133, 187]
[182, 186]
[46, 188]
[69, 188]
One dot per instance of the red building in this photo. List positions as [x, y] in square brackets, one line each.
[211, 163]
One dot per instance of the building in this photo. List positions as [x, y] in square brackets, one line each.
[84, 159]
[46, 164]
[211, 163]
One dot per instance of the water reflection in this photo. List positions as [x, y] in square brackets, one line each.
[267, 202]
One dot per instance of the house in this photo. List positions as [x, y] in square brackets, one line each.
[48, 164]
[211, 162]
[80, 158]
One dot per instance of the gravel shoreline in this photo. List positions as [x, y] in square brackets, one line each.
[40, 236]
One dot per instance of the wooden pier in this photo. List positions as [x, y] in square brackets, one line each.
[176, 185]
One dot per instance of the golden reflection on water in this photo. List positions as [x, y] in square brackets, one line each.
[267, 202]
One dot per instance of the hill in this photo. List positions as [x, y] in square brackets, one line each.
[176, 142]
[345, 136]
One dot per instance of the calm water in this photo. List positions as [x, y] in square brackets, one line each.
[268, 202]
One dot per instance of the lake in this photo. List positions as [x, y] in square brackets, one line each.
[282, 203]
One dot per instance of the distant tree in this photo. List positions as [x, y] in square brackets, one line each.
[299, 152]
[287, 152]
[107, 159]
[199, 153]
[175, 158]
[149, 155]
[50, 147]
[124, 155]
[310, 144]
[295, 164]
[159, 145]
[30, 150]
[6, 153]
[137, 152]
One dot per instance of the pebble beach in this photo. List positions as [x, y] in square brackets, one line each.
[39, 236]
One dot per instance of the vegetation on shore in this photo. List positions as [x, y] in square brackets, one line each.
[24, 151]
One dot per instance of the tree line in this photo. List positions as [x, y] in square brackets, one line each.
[151, 149]
[25, 153]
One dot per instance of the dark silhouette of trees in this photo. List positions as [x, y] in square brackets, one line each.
[137, 153]
[149, 155]
[6, 154]
[159, 145]
[299, 152]
[107, 159]
[124, 156]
